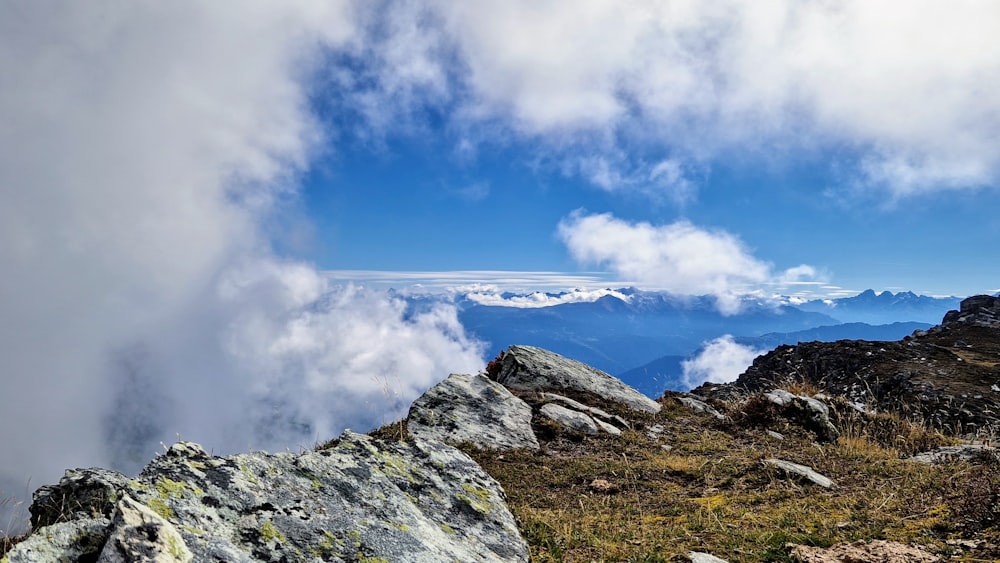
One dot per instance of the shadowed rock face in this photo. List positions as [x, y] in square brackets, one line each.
[947, 376]
[361, 498]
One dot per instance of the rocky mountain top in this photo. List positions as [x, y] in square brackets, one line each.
[947, 376]
[980, 310]
[546, 458]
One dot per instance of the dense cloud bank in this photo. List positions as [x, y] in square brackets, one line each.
[146, 148]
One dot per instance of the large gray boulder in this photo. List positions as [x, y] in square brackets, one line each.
[361, 499]
[473, 409]
[528, 368]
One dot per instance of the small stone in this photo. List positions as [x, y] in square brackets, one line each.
[603, 486]
[700, 557]
[700, 406]
[802, 471]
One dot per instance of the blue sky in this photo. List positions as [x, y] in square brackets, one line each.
[404, 208]
[191, 192]
[812, 135]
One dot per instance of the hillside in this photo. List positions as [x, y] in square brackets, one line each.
[947, 377]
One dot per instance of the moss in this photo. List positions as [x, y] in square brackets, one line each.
[397, 466]
[269, 533]
[251, 478]
[477, 498]
[399, 526]
[168, 488]
[162, 508]
[174, 547]
[200, 465]
[194, 531]
[448, 529]
[138, 485]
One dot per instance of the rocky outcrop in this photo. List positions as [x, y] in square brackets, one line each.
[527, 368]
[524, 383]
[809, 412]
[947, 377]
[474, 409]
[361, 499]
[979, 310]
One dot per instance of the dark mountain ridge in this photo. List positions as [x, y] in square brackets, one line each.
[667, 372]
[947, 376]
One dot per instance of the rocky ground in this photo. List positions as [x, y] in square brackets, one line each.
[848, 451]
[947, 377]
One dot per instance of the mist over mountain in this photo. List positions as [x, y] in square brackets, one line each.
[614, 334]
[645, 337]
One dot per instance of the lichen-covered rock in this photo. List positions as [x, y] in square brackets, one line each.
[77, 540]
[701, 557]
[475, 409]
[360, 499]
[533, 369]
[139, 534]
[569, 418]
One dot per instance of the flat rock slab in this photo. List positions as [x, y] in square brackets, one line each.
[528, 368]
[953, 453]
[802, 471]
[877, 551]
[362, 499]
[474, 409]
[701, 557]
[569, 418]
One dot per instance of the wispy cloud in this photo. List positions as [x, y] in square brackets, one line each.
[475, 280]
[679, 257]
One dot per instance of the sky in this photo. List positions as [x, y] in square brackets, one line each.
[195, 196]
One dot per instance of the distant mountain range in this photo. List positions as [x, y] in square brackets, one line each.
[883, 308]
[643, 336]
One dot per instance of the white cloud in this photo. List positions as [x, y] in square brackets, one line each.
[493, 298]
[721, 360]
[679, 257]
[143, 146]
[913, 92]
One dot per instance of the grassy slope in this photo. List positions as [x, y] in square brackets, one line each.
[711, 492]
